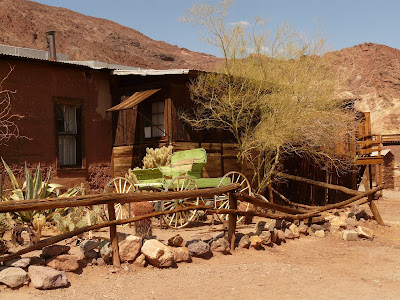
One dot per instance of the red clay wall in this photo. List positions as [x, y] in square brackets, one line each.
[36, 84]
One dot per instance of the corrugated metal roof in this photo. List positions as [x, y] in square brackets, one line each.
[133, 100]
[146, 72]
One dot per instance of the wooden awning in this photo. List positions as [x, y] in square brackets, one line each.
[133, 100]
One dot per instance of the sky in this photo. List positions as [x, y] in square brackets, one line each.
[345, 23]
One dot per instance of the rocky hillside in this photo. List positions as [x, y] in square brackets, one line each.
[373, 73]
[25, 23]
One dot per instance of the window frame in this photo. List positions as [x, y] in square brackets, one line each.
[154, 127]
[80, 145]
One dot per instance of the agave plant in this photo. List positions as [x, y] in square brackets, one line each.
[35, 188]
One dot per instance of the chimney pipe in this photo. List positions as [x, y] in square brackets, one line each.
[52, 45]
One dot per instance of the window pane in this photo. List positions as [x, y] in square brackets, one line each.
[67, 150]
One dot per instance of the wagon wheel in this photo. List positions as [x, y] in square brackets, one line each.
[180, 219]
[119, 185]
[222, 201]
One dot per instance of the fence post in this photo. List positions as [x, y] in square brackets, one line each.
[113, 232]
[232, 220]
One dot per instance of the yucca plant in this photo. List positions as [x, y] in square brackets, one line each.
[35, 187]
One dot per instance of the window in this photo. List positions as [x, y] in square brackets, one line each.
[155, 114]
[68, 121]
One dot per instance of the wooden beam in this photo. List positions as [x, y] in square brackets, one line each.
[88, 200]
[113, 236]
[318, 183]
[232, 220]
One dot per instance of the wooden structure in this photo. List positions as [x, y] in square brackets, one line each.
[146, 114]
[365, 149]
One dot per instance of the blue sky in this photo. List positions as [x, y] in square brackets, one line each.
[345, 23]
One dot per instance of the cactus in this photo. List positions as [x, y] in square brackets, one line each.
[76, 218]
[157, 157]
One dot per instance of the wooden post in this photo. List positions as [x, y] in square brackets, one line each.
[232, 220]
[372, 205]
[113, 231]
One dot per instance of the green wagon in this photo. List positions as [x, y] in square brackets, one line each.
[183, 174]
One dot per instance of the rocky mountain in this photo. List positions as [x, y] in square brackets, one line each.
[373, 76]
[372, 71]
[24, 23]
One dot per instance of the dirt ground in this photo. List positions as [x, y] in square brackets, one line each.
[306, 268]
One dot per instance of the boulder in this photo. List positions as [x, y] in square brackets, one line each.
[319, 233]
[37, 261]
[92, 254]
[315, 227]
[303, 229]
[295, 230]
[54, 250]
[100, 262]
[105, 251]
[255, 241]
[140, 261]
[280, 236]
[281, 224]
[244, 242]
[158, 254]
[338, 222]
[45, 278]
[88, 245]
[77, 252]
[351, 223]
[365, 233]
[260, 227]
[266, 237]
[289, 234]
[350, 235]
[13, 277]
[181, 254]
[176, 241]
[221, 245]
[199, 248]
[64, 262]
[130, 248]
[18, 262]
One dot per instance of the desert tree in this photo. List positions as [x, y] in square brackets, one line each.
[274, 91]
[8, 127]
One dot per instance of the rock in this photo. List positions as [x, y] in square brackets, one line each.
[350, 235]
[315, 227]
[303, 229]
[365, 233]
[319, 233]
[18, 262]
[338, 222]
[92, 254]
[176, 241]
[260, 227]
[37, 261]
[130, 248]
[274, 236]
[199, 249]
[105, 251]
[13, 277]
[280, 236]
[158, 254]
[351, 223]
[88, 245]
[181, 254]
[140, 261]
[281, 224]
[361, 215]
[255, 241]
[289, 234]
[47, 278]
[77, 252]
[221, 245]
[295, 230]
[266, 237]
[54, 250]
[100, 262]
[244, 242]
[271, 225]
[335, 231]
[64, 262]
